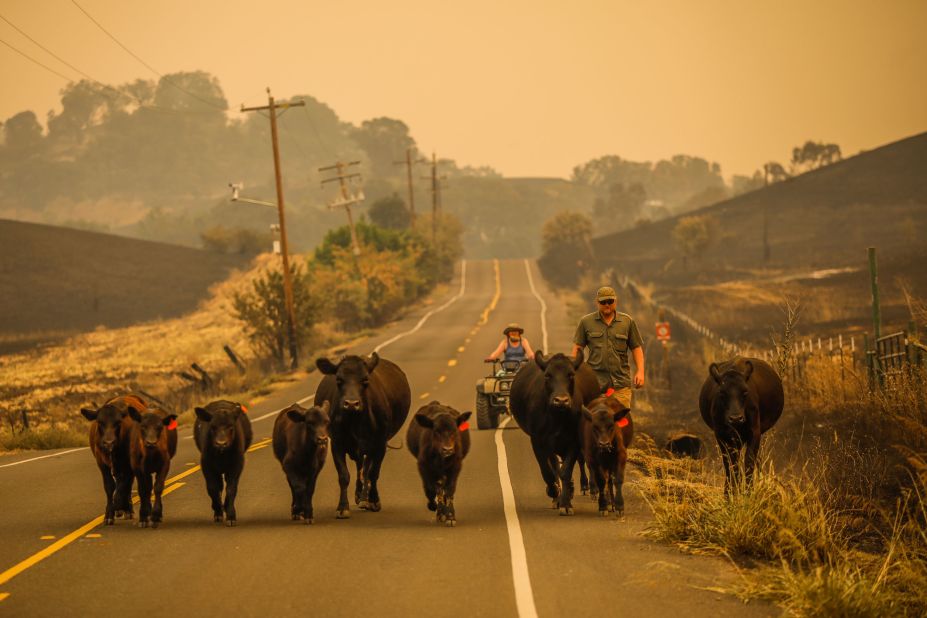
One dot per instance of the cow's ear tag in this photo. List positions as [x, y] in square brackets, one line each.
[172, 424]
[609, 392]
[243, 408]
[464, 426]
[623, 422]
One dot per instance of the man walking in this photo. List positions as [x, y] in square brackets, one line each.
[609, 335]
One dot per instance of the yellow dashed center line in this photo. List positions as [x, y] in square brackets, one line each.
[47, 537]
[495, 299]
[4, 595]
[460, 349]
[442, 379]
[92, 536]
[452, 362]
[424, 395]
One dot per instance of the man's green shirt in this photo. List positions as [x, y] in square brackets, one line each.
[608, 346]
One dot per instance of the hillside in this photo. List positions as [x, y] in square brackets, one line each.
[66, 280]
[822, 219]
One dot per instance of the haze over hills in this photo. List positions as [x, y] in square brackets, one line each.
[822, 219]
[62, 280]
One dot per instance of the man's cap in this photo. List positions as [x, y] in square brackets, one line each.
[606, 292]
[511, 327]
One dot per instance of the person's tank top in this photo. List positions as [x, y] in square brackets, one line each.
[514, 352]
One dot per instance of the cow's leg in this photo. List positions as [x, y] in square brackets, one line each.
[214, 489]
[583, 479]
[144, 498]
[547, 472]
[360, 486]
[450, 488]
[298, 492]
[566, 481]
[751, 455]
[109, 488]
[618, 496]
[365, 487]
[231, 491]
[730, 455]
[430, 485]
[376, 457]
[123, 495]
[598, 475]
[157, 513]
[307, 496]
[344, 478]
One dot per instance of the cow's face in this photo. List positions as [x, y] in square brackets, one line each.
[559, 375]
[109, 425]
[222, 418]
[733, 401]
[603, 416]
[445, 431]
[352, 377]
[316, 420]
[151, 425]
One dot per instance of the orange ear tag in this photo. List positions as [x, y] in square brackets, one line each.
[464, 426]
[172, 424]
[243, 408]
[609, 392]
[622, 422]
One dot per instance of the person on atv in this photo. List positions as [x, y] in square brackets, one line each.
[513, 347]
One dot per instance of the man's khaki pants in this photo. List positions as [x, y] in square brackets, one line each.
[623, 395]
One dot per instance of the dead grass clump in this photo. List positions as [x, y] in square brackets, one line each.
[43, 438]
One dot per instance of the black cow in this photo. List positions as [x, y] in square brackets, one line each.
[439, 439]
[300, 442]
[546, 399]
[153, 445]
[606, 430]
[370, 399]
[740, 400]
[222, 432]
[110, 439]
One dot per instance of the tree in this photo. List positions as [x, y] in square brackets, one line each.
[384, 139]
[746, 184]
[566, 242]
[22, 134]
[692, 236]
[814, 155]
[391, 213]
[775, 172]
[622, 206]
[263, 311]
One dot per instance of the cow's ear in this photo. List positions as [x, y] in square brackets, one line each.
[540, 360]
[90, 415]
[620, 414]
[135, 414]
[749, 370]
[203, 414]
[424, 421]
[326, 366]
[587, 413]
[296, 415]
[713, 370]
[464, 416]
[372, 361]
[326, 407]
[578, 360]
[170, 418]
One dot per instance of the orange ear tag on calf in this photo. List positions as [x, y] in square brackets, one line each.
[464, 426]
[172, 424]
[243, 408]
[622, 422]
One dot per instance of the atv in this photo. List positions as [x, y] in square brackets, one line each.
[492, 392]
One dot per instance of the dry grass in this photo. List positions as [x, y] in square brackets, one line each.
[53, 382]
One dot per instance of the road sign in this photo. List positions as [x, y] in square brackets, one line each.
[663, 331]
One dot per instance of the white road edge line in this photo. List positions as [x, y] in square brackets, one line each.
[463, 286]
[73, 450]
[524, 596]
[543, 308]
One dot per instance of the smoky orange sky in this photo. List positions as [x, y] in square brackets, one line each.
[530, 88]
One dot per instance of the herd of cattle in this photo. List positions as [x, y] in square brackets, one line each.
[363, 402]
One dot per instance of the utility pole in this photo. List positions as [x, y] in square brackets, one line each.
[346, 200]
[408, 163]
[435, 196]
[272, 107]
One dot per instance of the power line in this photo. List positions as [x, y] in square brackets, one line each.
[145, 64]
[44, 66]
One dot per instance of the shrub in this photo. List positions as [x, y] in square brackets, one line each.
[566, 243]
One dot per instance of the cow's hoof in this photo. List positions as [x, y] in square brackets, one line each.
[309, 521]
[118, 514]
[345, 514]
[129, 515]
[554, 504]
[231, 523]
[432, 506]
[374, 507]
[566, 510]
[109, 521]
[155, 524]
[217, 519]
[142, 524]
[603, 512]
[296, 516]
[450, 523]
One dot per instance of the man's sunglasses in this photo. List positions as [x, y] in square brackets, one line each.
[607, 301]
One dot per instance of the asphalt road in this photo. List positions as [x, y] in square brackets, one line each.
[510, 554]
